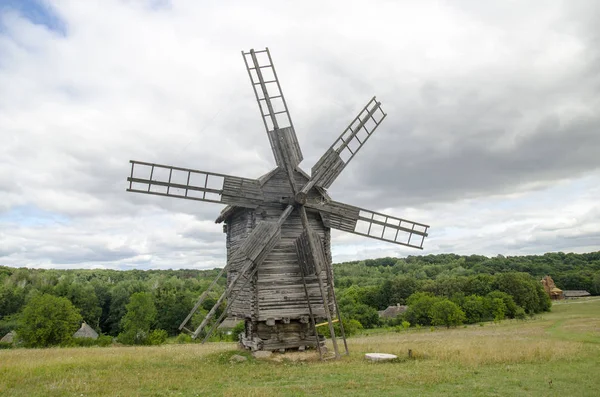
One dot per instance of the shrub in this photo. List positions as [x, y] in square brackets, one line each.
[351, 327]
[136, 323]
[520, 313]
[48, 321]
[5, 345]
[157, 337]
[239, 328]
[183, 338]
[104, 340]
[445, 312]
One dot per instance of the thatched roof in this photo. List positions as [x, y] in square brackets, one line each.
[85, 332]
[576, 293]
[393, 311]
[9, 338]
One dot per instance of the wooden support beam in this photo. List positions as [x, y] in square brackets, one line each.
[202, 298]
[313, 247]
[230, 301]
[310, 311]
[337, 308]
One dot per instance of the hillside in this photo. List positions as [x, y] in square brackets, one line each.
[553, 354]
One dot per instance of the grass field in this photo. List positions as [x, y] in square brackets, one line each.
[556, 354]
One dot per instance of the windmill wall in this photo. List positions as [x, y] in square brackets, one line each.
[274, 303]
[238, 227]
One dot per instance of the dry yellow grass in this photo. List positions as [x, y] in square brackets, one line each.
[511, 358]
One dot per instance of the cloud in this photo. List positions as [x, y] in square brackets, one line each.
[489, 107]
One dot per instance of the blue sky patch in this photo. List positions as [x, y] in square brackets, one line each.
[36, 11]
[30, 215]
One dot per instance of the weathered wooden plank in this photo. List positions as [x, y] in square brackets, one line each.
[372, 224]
[199, 185]
[335, 159]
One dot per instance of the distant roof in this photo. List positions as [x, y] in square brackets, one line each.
[393, 311]
[85, 332]
[576, 293]
[556, 290]
[9, 338]
[229, 322]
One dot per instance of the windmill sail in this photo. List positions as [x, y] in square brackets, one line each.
[348, 144]
[273, 108]
[185, 183]
[349, 218]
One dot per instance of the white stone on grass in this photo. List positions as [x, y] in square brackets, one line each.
[380, 356]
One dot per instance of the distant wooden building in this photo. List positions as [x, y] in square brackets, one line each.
[229, 324]
[85, 332]
[576, 294]
[551, 289]
[392, 311]
[9, 338]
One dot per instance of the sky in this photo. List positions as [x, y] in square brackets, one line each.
[492, 136]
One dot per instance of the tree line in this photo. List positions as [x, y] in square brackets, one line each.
[481, 288]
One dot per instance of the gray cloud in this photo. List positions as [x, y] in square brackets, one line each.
[487, 105]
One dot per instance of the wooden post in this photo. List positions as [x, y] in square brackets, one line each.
[337, 309]
[312, 317]
[313, 248]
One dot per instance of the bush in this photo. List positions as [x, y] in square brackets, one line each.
[83, 342]
[445, 312]
[104, 340]
[5, 345]
[48, 321]
[8, 324]
[183, 338]
[520, 313]
[419, 308]
[351, 327]
[136, 323]
[157, 337]
[239, 328]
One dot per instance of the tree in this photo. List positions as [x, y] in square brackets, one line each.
[83, 297]
[48, 321]
[419, 308]
[172, 303]
[510, 307]
[474, 309]
[445, 312]
[119, 297]
[137, 322]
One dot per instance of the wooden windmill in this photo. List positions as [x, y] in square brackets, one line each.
[279, 274]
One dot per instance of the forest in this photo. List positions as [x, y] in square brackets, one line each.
[444, 289]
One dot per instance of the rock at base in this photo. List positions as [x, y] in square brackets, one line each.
[262, 354]
[236, 358]
[380, 356]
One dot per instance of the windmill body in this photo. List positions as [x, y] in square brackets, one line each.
[279, 275]
[273, 303]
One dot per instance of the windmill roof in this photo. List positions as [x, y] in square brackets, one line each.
[9, 338]
[85, 332]
[229, 210]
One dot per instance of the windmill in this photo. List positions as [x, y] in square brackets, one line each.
[279, 273]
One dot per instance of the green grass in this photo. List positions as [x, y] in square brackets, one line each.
[515, 358]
